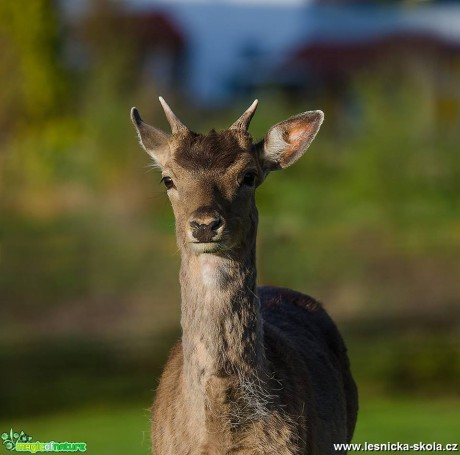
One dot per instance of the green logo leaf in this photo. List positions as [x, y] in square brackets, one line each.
[10, 440]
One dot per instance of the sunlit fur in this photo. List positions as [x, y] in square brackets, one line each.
[257, 370]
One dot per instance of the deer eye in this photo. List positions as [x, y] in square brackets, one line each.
[249, 178]
[168, 182]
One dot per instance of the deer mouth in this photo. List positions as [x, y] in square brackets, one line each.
[207, 247]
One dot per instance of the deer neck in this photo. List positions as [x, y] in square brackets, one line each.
[221, 322]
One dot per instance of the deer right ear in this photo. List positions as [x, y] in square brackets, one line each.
[154, 141]
[287, 141]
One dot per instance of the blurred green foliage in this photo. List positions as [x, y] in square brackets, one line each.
[368, 222]
[31, 76]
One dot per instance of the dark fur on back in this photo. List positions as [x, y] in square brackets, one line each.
[303, 322]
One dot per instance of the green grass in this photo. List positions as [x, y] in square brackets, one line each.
[125, 430]
[110, 430]
[409, 420]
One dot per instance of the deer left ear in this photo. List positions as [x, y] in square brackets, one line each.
[287, 141]
[154, 141]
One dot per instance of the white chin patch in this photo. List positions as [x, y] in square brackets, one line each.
[200, 248]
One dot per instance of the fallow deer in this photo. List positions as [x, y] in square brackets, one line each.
[258, 370]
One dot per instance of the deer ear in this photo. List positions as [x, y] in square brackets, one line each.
[154, 141]
[287, 141]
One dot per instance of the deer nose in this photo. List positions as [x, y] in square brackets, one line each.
[205, 230]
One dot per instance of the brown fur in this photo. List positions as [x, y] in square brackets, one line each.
[258, 370]
[211, 151]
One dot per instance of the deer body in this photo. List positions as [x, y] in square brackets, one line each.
[257, 371]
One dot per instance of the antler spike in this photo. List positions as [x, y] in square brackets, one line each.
[176, 124]
[243, 122]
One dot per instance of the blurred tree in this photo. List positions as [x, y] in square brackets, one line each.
[30, 73]
[112, 58]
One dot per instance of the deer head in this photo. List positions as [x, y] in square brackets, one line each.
[211, 179]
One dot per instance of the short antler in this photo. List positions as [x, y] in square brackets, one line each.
[243, 122]
[176, 124]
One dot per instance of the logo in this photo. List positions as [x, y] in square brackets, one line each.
[22, 442]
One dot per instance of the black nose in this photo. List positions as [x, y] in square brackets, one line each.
[205, 232]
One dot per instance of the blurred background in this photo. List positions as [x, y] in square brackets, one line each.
[368, 222]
